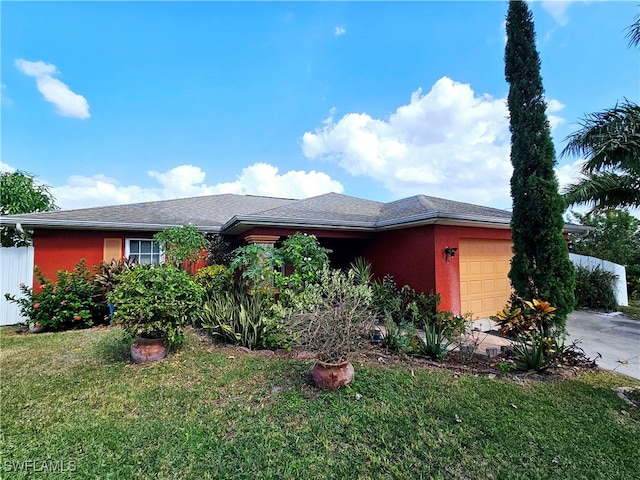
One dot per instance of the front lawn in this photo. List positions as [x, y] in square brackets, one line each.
[73, 399]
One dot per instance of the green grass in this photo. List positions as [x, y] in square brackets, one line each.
[219, 413]
[633, 310]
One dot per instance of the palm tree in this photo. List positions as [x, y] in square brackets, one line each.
[610, 141]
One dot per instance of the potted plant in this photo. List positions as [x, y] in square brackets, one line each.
[331, 317]
[153, 304]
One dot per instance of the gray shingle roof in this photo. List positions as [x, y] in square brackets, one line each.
[234, 213]
[420, 206]
[207, 212]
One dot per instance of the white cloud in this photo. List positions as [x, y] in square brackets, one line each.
[554, 106]
[68, 103]
[448, 143]
[264, 179]
[188, 181]
[5, 167]
[558, 10]
[569, 173]
[339, 31]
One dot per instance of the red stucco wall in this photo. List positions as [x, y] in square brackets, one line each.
[62, 249]
[406, 254]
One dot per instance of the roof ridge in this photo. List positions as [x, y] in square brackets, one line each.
[475, 205]
[426, 202]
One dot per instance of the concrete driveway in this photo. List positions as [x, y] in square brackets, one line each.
[615, 337]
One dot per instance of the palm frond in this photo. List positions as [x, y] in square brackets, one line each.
[604, 191]
[633, 32]
[609, 140]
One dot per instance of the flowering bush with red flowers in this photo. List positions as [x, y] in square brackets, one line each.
[68, 303]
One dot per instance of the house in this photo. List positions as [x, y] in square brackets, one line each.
[460, 250]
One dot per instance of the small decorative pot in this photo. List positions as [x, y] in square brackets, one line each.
[332, 376]
[35, 327]
[145, 350]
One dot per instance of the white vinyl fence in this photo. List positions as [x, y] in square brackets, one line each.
[618, 270]
[16, 267]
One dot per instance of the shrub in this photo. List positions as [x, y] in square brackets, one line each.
[257, 265]
[306, 258]
[106, 274]
[511, 322]
[435, 343]
[404, 305]
[263, 267]
[235, 317]
[451, 325]
[386, 298]
[219, 251]
[524, 317]
[536, 352]
[595, 288]
[156, 302]
[182, 245]
[69, 303]
[399, 338]
[333, 315]
[214, 279]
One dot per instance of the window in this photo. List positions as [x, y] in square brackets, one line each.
[144, 251]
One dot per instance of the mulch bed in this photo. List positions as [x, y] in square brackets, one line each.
[573, 363]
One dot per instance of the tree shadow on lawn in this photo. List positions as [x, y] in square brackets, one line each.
[114, 348]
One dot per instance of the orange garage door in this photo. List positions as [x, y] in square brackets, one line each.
[484, 281]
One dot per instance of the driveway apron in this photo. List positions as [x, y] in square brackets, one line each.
[612, 336]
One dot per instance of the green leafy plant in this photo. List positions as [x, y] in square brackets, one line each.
[182, 245]
[465, 337]
[156, 302]
[257, 265]
[22, 193]
[219, 251]
[235, 317]
[68, 303]
[399, 339]
[304, 260]
[362, 270]
[405, 304]
[214, 279]
[386, 298]
[595, 288]
[435, 344]
[451, 324]
[530, 352]
[508, 365]
[523, 317]
[106, 274]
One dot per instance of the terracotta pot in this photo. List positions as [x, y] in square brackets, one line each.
[145, 350]
[332, 376]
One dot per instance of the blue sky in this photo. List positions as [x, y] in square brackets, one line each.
[121, 102]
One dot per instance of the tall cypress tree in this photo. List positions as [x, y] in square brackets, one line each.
[540, 267]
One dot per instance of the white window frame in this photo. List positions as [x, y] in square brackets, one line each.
[127, 250]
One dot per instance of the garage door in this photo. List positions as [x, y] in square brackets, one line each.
[484, 281]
